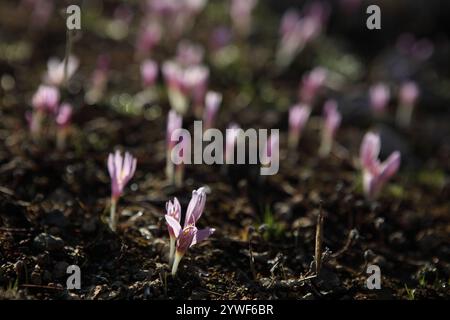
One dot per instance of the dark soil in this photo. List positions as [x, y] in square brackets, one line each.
[53, 205]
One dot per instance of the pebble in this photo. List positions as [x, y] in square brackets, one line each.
[45, 241]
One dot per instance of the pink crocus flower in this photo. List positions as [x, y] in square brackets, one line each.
[174, 122]
[331, 123]
[121, 170]
[408, 95]
[298, 116]
[375, 173]
[44, 101]
[184, 83]
[312, 82]
[64, 115]
[231, 138]
[149, 35]
[173, 209]
[196, 78]
[379, 97]
[149, 72]
[241, 15]
[55, 75]
[296, 31]
[189, 54]
[188, 235]
[184, 144]
[212, 104]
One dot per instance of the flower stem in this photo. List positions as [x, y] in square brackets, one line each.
[176, 262]
[172, 250]
[112, 215]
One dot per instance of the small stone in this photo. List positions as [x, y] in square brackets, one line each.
[45, 241]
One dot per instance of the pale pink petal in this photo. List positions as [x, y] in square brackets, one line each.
[202, 234]
[174, 224]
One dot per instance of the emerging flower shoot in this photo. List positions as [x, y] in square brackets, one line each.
[311, 84]
[298, 116]
[212, 104]
[188, 235]
[330, 125]
[379, 96]
[174, 122]
[149, 73]
[121, 170]
[241, 15]
[408, 95]
[55, 75]
[44, 101]
[376, 174]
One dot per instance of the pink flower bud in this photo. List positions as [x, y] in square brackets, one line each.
[298, 116]
[189, 54]
[46, 99]
[149, 72]
[148, 37]
[173, 210]
[409, 92]
[64, 115]
[332, 117]
[241, 14]
[56, 68]
[212, 104]
[311, 84]
[174, 122]
[376, 174]
[331, 123]
[379, 97]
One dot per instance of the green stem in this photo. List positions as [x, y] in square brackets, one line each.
[176, 262]
[112, 215]
[172, 250]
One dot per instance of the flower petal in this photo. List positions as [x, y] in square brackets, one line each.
[202, 234]
[174, 224]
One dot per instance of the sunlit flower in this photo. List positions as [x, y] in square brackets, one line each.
[56, 69]
[312, 82]
[149, 72]
[189, 54]
[298, 116]
[379, 97]
[174, 122]
[408, 95]
[188, 235]
[212, 104]
[44, 101]
[375, 173]
[296, 31]
[332, 121]
[148, 37]
[241, 15]
[121, 170]
[173, 209]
